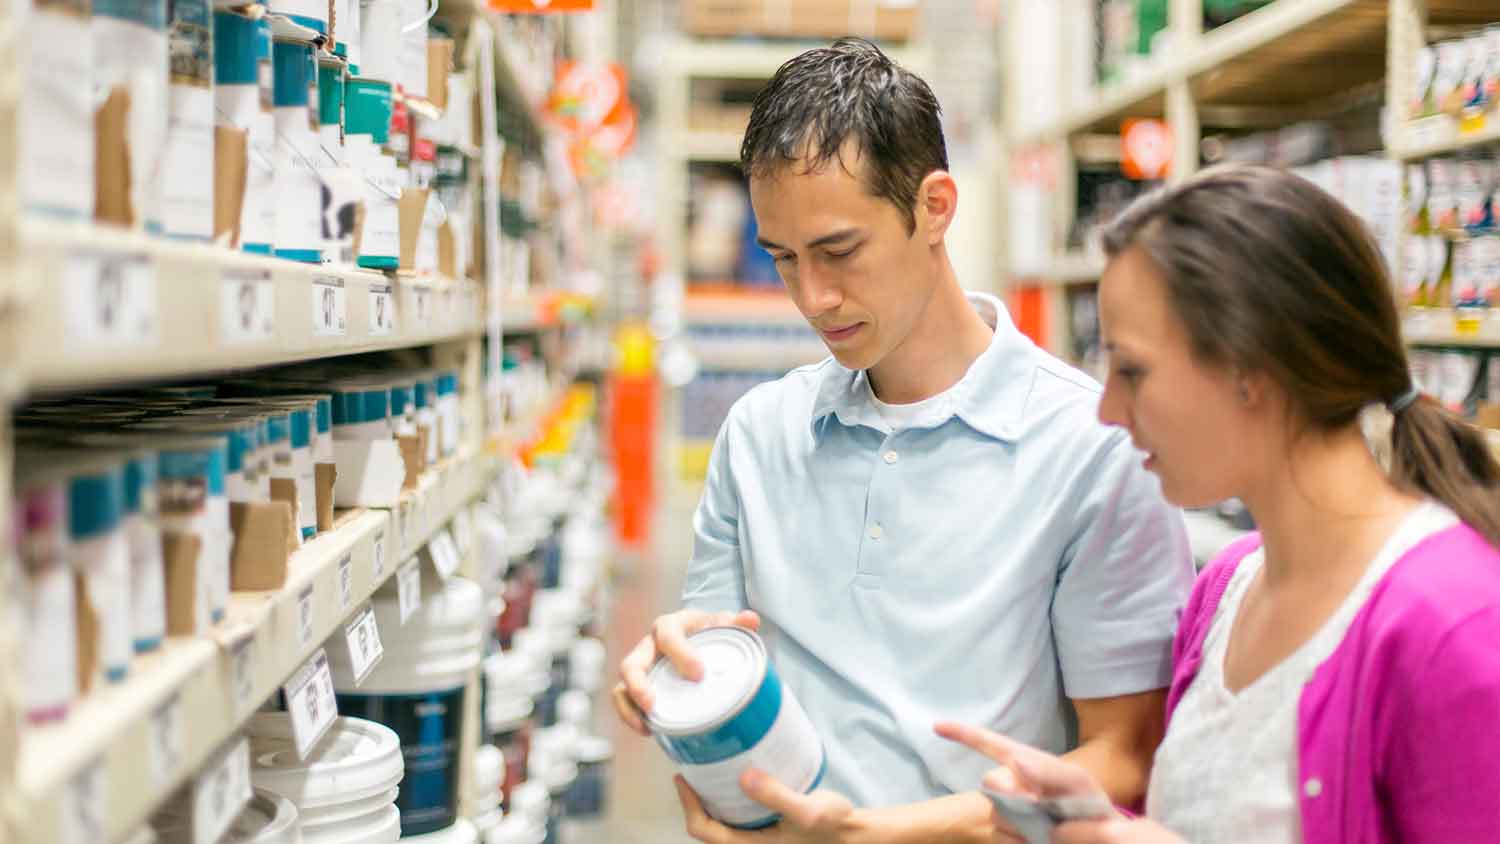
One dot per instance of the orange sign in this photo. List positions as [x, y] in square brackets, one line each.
[1145, 149]
[587, 94]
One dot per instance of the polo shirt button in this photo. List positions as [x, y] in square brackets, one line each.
[876, 531]
[1313, 787]
[892, 457]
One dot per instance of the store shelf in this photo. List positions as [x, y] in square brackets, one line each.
[1443, 135]
[1287, 53]
[1442, 327]
[162, 309]
[211, 683]
[757, 357]
[739, 59]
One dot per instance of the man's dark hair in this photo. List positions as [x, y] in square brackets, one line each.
[850, 91]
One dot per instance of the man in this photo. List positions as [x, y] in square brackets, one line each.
[930, 524]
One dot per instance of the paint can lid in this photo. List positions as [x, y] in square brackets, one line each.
[734, 662]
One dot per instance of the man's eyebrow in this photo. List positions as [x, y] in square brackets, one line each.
[832, 237]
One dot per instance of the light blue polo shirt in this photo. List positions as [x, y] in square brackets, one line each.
[984, 569]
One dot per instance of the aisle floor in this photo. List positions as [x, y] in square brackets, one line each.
[643, 805]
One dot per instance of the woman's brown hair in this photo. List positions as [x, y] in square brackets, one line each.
[1271, 274]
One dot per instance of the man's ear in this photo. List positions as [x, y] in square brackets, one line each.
[937, 202]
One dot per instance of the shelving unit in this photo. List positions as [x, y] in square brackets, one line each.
[82, 307]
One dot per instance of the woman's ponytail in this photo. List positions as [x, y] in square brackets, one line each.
[1436, 453]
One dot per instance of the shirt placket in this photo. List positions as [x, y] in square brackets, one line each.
[881, 497]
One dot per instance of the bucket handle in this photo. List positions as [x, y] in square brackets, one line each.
[432, 8]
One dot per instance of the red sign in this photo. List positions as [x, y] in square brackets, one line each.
[1146, 149]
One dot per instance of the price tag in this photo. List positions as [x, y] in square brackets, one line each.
[242, 673]
[310, 702]
[363, 638]
[85, 805]
[247, 307]
[379, 556]
[164, 741]
[220, 792]
[330, 308]
[450, 303]
[409, 588]
[382, 310]
[346, 581]
[305, 617]
[445, 556]
[1432, 131]
[421, 297]
[109, 300]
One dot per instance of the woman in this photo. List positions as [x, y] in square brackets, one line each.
[1337, 676]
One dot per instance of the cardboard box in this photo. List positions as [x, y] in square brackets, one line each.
[112, 177]
[800, 19]
[88, 635]
[231, 169]
[326, 477]
[412, 209]
[264, 536]
[439, 65]
[186, 614]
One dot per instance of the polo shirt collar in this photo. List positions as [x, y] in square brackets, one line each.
[990, 398]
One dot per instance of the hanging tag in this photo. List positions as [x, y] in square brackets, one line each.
[247, 307]
[346, 581]
[382, 309]
[445, 556]
[310, 702]
[220, 792]
[330, 308]
[164, 741]
[363, 638]
[110, 300]
[305, 617]
[409, 588]
[86, 805]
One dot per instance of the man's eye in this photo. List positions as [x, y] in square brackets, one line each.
[846, 253]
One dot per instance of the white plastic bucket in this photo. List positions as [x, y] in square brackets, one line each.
[461, 832]
[268, 819]
[344, 790]
[489, 776]
[418, 690]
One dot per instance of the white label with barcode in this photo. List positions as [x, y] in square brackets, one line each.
[346, 581]
[423, 309]
[310, 702]
[220, 792]
[330, 308]
[445, 556]
[247, 307]
[164, 744]
[379, 564]
[409, 588]
[305, 617]
[86, 804]
[382, 310]
[242, 663]
[363, 638]
[110, 300]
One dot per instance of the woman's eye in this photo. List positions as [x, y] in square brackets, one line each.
[1129, 374]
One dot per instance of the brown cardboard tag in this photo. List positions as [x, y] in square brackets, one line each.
[180, 556]
[439, 63]
[411, 454]
[112, 160]
[88, 634]
[327, 474]
[262, 535]
[285, 490]
[231, 169]
[447, 250]
[412, 208]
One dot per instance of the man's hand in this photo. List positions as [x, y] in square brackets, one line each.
[669, 637]
[822, 817]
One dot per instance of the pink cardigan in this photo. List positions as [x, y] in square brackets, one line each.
[1398, 733]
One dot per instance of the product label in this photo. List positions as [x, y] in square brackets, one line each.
[258, 217]
[444, 553]
[55, 122]
[409, 589]
[379, 564]
[790, 751]
[382, 310]
[105, 563]
[164, 741]
[148, 600]
[381, 235]
[362, 637]
[421, 298]
[50, 635]
[299, 193]
[1466, 270]
[247, 307]
[307, 486]
[428, 725]
[220, 792]
[330, 307]
[187, 196]
[310, 702]
[86, 805]
[346, 581]
[109, 300]
[242, 670]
